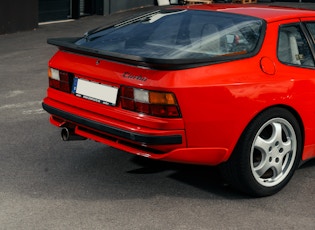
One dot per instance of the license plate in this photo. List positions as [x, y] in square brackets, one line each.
[93, 91]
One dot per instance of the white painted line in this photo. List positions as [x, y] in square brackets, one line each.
[20, 105]
[33, 111]
[14, 93]
[54, 22]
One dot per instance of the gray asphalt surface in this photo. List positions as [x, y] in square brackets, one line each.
[49, 184]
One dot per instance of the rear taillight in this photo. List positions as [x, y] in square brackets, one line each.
[60, 80]
[160, 104]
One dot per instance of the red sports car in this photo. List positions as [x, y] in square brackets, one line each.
[221, 84]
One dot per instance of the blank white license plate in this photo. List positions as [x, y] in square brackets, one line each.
[97, 92]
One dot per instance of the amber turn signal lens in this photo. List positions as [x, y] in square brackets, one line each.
[162, 98]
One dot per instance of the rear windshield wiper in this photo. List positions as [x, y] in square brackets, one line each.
[124, 23]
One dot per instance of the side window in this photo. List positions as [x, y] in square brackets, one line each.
[311, 28]
[293, 48]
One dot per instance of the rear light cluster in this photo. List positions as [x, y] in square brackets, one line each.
[160, 104]
[60, 80]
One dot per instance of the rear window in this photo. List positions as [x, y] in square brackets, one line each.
[180, 34]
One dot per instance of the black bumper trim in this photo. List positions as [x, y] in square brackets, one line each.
[145, 139]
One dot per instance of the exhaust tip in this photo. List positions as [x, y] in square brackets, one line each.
[69, 135]
[65, 134]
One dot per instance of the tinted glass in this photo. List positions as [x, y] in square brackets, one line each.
[181, 34]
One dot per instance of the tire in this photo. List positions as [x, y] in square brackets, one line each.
[266, 155]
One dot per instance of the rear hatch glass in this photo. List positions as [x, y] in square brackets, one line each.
[178, 37]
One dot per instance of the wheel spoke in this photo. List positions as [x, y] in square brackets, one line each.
[277, 169]
[262, 145]
[262, 168]
[276, 137]
[287, 147]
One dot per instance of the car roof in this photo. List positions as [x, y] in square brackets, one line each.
[268, 13]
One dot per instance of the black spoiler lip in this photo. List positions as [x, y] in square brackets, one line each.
[68, 44]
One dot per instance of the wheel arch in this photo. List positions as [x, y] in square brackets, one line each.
[286, 107]
[297, 117]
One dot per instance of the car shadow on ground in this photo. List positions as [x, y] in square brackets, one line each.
[308, 164]
[205, 178]
[107, 173]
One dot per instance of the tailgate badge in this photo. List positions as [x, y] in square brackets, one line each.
[134, 77]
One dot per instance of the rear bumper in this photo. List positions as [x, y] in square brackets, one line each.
[132, 136]
[168, 145]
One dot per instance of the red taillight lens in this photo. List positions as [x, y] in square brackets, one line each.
[164, 110]
[160, 104]
[127, 103]
[143, 107]
[60, 80]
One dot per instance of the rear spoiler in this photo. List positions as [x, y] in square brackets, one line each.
[68, 44]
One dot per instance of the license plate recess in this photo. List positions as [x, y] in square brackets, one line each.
[94, 91]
